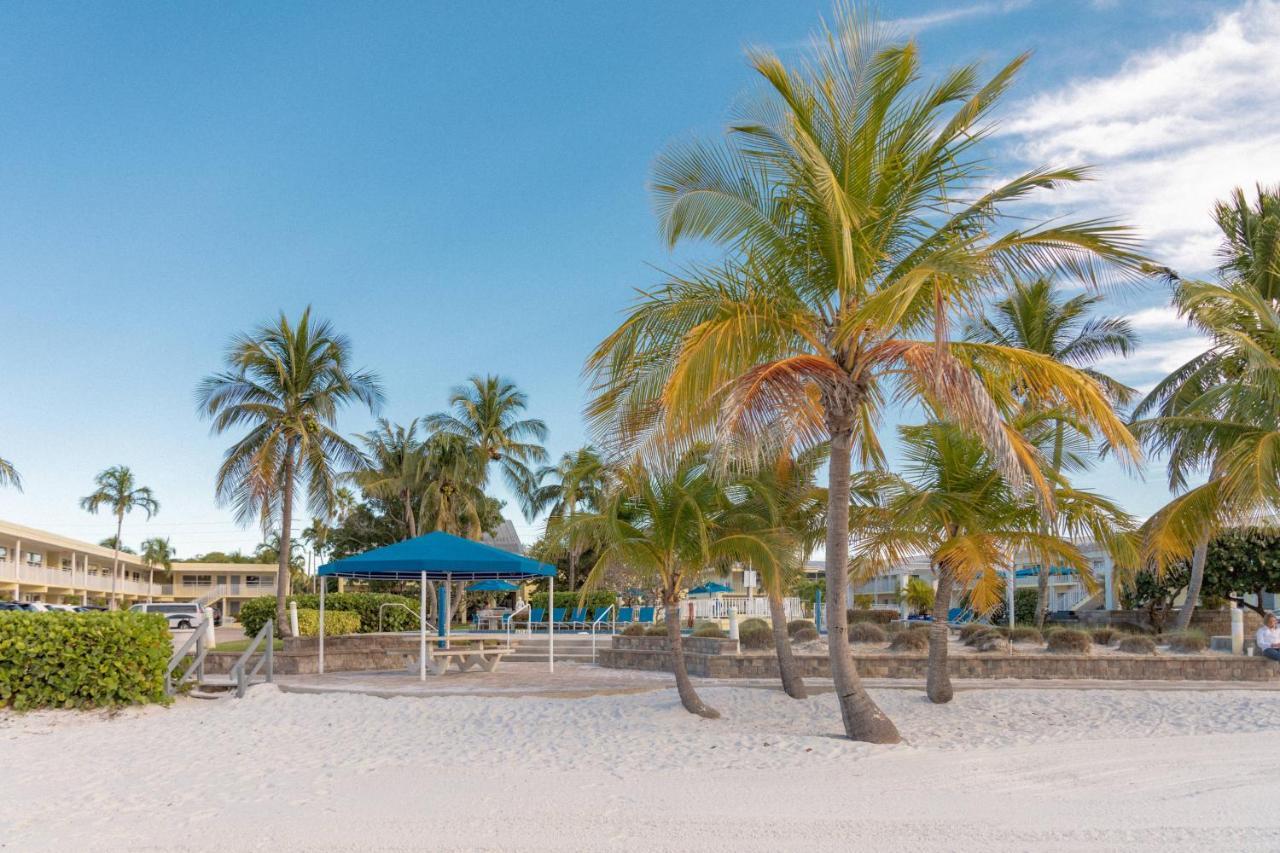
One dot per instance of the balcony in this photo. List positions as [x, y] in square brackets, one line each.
[221, 588]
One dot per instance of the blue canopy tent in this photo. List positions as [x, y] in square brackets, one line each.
[712, 588]
[438, 557]
[492, 586]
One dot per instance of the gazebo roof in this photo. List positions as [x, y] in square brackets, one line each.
[439, 555]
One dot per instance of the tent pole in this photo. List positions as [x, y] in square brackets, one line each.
[442, 612]
[422, 628]
[322, 586]
[551, 623]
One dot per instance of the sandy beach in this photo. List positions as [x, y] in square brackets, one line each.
[998, 769]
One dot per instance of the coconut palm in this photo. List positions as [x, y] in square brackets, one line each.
[665, 524]
[9, 475]
[1036, 317]
[395, 468]
[118, 491]
[487, 412]
[452, 497]
[782, 504]
[846, 202]
[285, 382]
[1220, 412]
[575, 483]
[156, 551]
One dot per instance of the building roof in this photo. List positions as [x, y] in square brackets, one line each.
[34, 536]
[505, 537]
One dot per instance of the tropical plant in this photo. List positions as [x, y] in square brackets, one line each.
[846, 202]
[394, 469]
[487, 413]
[575, 483]
[665, 523]
[919, 595]
[1036, 317]
[9, 475]
[114, 542]
[1220, 412]
[286, 383]
[156, 551]
[1243, 561]
[118, 491]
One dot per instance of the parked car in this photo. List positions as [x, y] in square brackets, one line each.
[59, 608]
[181, 615]
[89, 608]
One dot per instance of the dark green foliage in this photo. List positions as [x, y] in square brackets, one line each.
[910, 641]
[635, 629]
[1024, 609]
[708, 629]
[1155, 593]
[799, 625]
[1138, 645]
[1104, 636]
[866, 632]
[882, 617]
[655, 631]
[336, 623]
[1188, 641]
[255, 612]
[1070, 641]
[600, 598]
[82, 660]
[1242, 560]
[755, 634]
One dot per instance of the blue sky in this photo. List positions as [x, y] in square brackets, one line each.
[461, 188]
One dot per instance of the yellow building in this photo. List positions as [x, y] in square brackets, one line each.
[223, 585]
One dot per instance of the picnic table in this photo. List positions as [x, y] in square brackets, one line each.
[466, 652]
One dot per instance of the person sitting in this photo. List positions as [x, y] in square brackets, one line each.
[1269, 638]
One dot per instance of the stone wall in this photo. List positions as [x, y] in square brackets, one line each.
[1209, 667]
[1211, 622]
[353, 653]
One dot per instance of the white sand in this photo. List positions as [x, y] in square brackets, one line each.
[995, 770]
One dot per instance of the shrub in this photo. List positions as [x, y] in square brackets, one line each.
[980, 636]
[882, 617]
[82, 660]
[255, 612]
[1069, 641]
[708, 629]
[972, 628]
[910, 641]
[866, 632]
[635, 629]
[1024, 609]
[655, 630]
[1188, 641]
[799, 625]
[992, 642]
[805, 635]
[1104, 636]
[755, 634]
[1027, 634]
[600, 598]
[1132, 628]
[1138, 644]
[336, 623]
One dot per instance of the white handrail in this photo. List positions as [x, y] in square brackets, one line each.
[511, 618]
[606, 612]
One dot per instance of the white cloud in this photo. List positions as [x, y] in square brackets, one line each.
[1174, 130]
[1160, 317]
[1155, 359]
[916, 23]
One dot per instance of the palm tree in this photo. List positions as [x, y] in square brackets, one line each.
[782, 504]
[395, 469]
[286, 383]
[577, 482]
[9, 475]
[487, 413]
[1035, 317]
[665, 525]
[156, 551]
[1220, 412]
[118, 491]
[846, 203]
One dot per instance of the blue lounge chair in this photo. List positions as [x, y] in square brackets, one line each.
[557, 616]
[579, 618]
[960, 615]
[603, 613]
[646, 616]
[537, 617]
[625, 616]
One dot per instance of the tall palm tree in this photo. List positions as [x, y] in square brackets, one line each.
[1220, 412]
[847, 204]
[9, 475]
[665, 524]
[575, 483]
[156, 551]
[285, 382]
[782, 504]
[1036, 317]
[395, 469]
[487, 411]
[118, 491]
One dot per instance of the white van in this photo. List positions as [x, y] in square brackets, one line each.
[181, 615]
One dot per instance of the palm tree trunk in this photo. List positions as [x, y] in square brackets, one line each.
[863, 719]
[411, 522]
[286, 544]
[688, 696]
[1198, 560]
[792, 683]
[115, 559]
[938, 680]
[1042, 581]
[573, 569]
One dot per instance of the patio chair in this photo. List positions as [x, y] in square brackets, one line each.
[537, 617]
[625, 616]
[603, 611]
[557, 616]
[579, 618]
[646, 616]
[960, 615]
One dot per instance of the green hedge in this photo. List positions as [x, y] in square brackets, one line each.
[336, 622]
[255, 613]
[601, 598]
[82, 660]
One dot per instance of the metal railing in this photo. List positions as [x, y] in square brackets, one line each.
[595, 623]
[511, 617]
[196, 667]
[412, 613]
[244, 678]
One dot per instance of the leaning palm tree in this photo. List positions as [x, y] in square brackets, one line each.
[487, 412]
[156, 551]
[574, 484]
[118, 491]
[665, 525]
[1034, 316]
[9, 475]
[782, 504]
[1219, 413]
[395, 468]
[285, 382]
[847, 203]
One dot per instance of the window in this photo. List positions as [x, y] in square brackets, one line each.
[34, 559]
[4, 553]
[66, 564]
[252, 580]
[197, 580]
